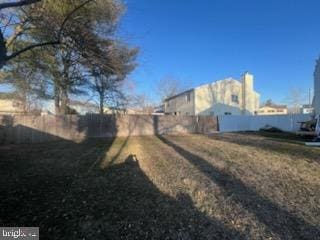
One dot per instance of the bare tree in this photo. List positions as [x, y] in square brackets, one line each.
[139, 102]
[295, 99]
[106, 82]
[269, 102]
[135, 100]
[168, 87]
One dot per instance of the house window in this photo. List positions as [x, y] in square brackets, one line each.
[271, 111]
[279, 110]
[235, 98]
[168, 103]
[188, 97]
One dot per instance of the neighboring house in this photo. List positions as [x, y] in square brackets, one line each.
[129, 111]
[159, 110]
[140, 111]
[316, 100]
[114, 110]
[223, 97]
[81, 108]
[9, 105]
[273, 109]
[307, 109]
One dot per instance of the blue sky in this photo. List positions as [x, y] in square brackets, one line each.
[200, 41]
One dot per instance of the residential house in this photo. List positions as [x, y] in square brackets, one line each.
[140, 111]
[273, 109]
[158, 110]
[114, 110]
[223, 97]
[306, 109]
[83, 108]
[79, 107]
[10, 106]
[129, 111]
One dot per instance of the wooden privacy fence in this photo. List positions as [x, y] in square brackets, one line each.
[33, 129]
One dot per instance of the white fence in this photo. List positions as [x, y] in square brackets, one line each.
[289, 123]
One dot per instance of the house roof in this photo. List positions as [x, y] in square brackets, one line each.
[179, 94]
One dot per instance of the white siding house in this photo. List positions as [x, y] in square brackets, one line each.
[223, 97]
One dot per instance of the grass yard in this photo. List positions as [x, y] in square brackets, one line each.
[226, 186]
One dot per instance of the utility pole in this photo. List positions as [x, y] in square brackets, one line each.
[309, 96]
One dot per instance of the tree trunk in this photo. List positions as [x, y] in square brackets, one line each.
[65, 83]
[101, 105]
[56, 99]
[64, 101]
[25, 104]
[3, 50]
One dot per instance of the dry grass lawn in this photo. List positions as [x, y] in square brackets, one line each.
[227, 186]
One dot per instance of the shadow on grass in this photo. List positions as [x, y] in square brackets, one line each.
[274, 144]
[282, 136]
[124, 144]
[277, 219]
[52, 189]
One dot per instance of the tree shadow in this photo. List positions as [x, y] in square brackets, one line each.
[119, 202]
[38, 129]
[11, 133]
[36, 179]
[131, 128]
[277, 219]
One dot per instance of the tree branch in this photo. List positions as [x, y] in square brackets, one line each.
[17, 4]
[55, 42]
[31, 47]
[17, 32]
[70, 15]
